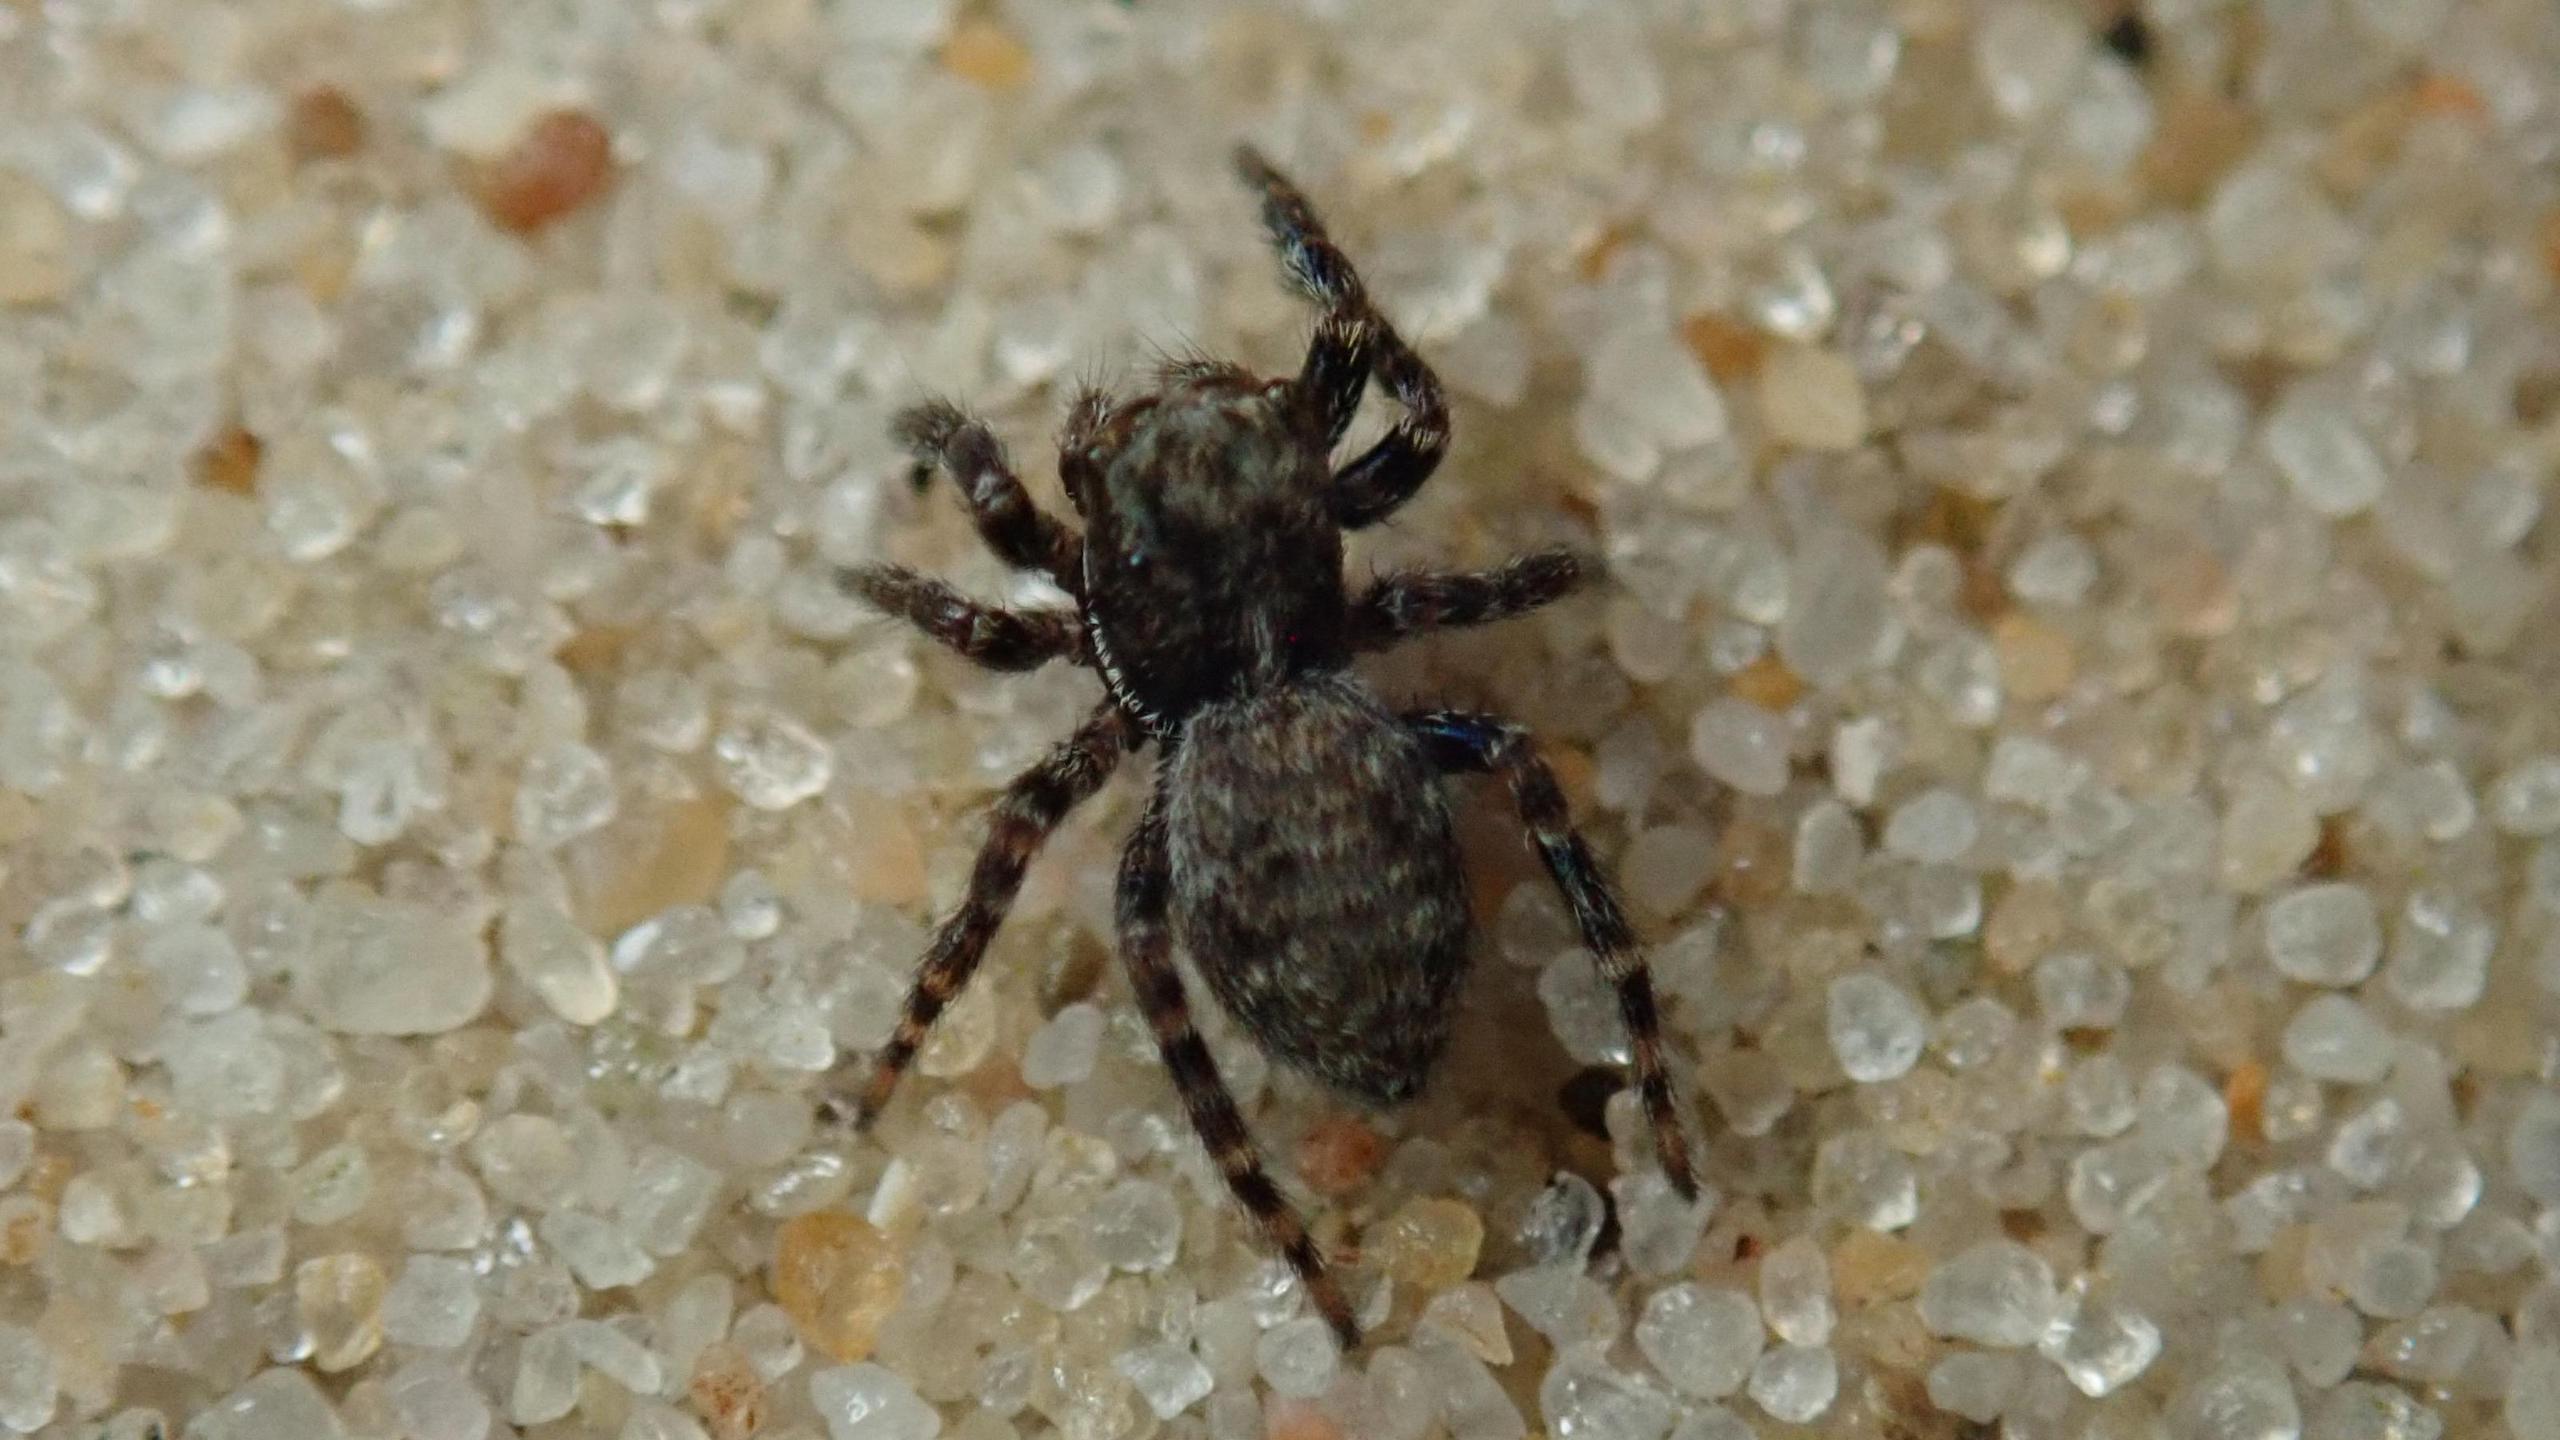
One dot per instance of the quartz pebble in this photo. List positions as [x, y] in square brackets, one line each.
[274, 1404]
[2314, 440]
[1701, 1339]
[2533, 1391]
[866, 1402]
[1975, 1384]
[2332, 1037]
[1064, 1050]
[838, 1278]
[1812, 398]
[1136, 1226]
[1297, 1357]
[1877, 1030]
[547, 950]
[1168, 1377]
[1795, 1292]
[1795, 1383]
[1564, 1221]
[1648, 380]
[2101, 1344]
[2525, 800]
[2244, 1397]
[1430, 1244]
[770, 760]
[1584, 1397]
[27, 1381]
[1998, 1293]
[2325, 934]
[2533, 1147]
[435, 1400]
[560, 162]
[35, 243]
[432, 1304]
[1741, 745]
[1562, 1303]
[2440, 952]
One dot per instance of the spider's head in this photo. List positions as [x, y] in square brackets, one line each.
[1212, 564]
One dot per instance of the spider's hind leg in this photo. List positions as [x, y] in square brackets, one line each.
[1146, 943]
[1021, 822]
[1352, 342]
[1458, 740]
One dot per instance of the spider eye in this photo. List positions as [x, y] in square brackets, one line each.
[1136, 557]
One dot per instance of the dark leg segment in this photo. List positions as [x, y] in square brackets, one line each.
[1483, 743]
[995, 637]
[939, 433]
[1146, 943]
[1352, 343]
[1030, 808]
[1375, 485]
[1406, 603]
[1335, 373]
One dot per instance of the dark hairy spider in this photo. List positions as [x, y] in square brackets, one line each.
[1297, 841]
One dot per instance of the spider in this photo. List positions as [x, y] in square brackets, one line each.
[1296, 839]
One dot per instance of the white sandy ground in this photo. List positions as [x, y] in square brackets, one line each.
[2072, 707]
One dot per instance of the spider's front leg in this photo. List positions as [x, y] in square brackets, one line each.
[1352, 343]
[994, 636]
[1146, 944]
[1458, 740]
[941, 434]
[1029, 810]
[1405, 603]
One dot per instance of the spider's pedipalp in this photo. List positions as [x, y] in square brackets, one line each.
[1079, 444]
[943, 436]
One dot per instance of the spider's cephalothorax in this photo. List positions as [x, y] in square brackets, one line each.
[1297, 842]
[1211, 566]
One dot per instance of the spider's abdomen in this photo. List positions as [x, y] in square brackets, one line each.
[1316, 881]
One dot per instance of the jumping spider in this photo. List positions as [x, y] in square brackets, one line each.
[1297, 840]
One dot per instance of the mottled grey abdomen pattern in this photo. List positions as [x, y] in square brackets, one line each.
[1316, 881]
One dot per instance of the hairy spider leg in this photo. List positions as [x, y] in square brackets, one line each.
[1487, 744]
[1404, 603]
[1021, 821]
[941, 434]
[1146, 945]
[995, 636]
[1352, 343]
